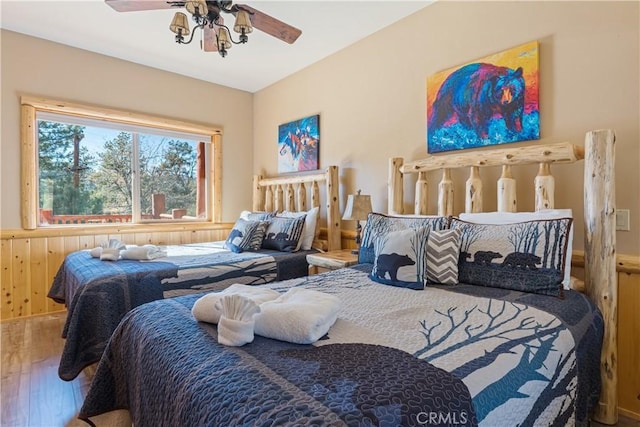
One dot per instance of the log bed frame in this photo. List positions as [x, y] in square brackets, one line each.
[598, 154]
[290, 193]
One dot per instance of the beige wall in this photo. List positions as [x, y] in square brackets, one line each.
[371, 96]
[42, 68]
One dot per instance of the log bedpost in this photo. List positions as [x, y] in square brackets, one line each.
[473, 191]
[279, 194]
[507, 191]
[445, 194]
[421, 203]
[315, 194]
[302, 197]
[258, 194]
[600, 259]
[268, 205]
[333, 209]
[544, 183]
[395, 203]
[290, 199]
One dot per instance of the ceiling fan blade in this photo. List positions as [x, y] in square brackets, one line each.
[271, 25]
[210, 44]
[135, 5]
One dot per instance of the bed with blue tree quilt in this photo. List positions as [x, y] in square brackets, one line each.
[466, 320]
[266, 244]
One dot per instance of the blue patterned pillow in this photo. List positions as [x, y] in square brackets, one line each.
[400, 258]
[283, 233]
[526, 256]
[379, 225]
[246, 235]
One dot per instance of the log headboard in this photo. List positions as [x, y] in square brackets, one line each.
[291, 193]
[598, 154]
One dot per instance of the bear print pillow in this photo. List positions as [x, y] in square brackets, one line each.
[379, 225]
[526, 256]
[400, 258]
[246, 235]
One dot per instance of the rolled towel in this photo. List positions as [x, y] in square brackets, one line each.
[237, 320]
[96, 252]
[146, 252]
[114, 244]
[110, 254]
[300, 316]
[205, 310]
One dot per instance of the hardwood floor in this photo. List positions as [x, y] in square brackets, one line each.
[32, 393]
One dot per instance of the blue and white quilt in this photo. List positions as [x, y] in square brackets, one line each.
[99, 293]
[446, 355]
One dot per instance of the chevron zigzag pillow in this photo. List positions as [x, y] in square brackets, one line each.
[443, 250]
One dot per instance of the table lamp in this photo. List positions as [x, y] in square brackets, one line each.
[357, 209]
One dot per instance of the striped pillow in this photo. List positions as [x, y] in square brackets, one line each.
[443, 250]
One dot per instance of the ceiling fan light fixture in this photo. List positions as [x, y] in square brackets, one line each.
[180, 25]
[224, 39]
[197, 8]
[243, 23]
[207, 17]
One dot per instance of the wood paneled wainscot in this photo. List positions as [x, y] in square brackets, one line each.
[628, 272]
[29, 259]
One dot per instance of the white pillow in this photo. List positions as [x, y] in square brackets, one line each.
[513, 217]
[309, 231]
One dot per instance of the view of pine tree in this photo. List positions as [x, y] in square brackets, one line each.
[170, 169]
[113, 174]
[61, 186]
[166, 167]
[80, 177]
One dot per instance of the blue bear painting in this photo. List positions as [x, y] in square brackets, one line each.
[483, 103]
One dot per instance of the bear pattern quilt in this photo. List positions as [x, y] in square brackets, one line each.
[500, 357]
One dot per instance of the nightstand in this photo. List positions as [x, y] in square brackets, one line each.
[331, 260]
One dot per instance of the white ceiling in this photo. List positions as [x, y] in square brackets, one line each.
[144, 37]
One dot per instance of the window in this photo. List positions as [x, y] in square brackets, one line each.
[101, 167]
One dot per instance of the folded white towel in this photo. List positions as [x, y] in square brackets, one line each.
[114, 244]
[145, 252]
[237, 320]
[110, 254]
[96, 252]
[205, 310]
[300, 316]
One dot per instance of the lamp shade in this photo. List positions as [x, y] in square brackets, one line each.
[358, 207]
[197, 7]
[243, 23]
[180, 24]
[224, 42]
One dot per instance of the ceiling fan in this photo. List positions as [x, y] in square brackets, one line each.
[207, 16]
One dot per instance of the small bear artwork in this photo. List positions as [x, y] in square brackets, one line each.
[490, 101]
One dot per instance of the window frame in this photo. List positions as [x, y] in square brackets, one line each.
[29, 153]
